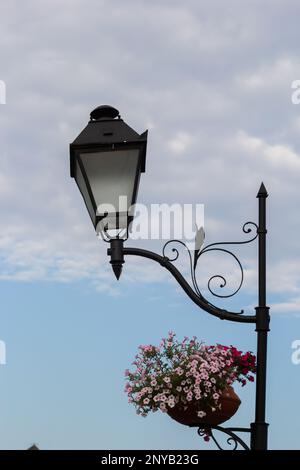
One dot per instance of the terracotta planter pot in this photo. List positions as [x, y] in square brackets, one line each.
[229, 402]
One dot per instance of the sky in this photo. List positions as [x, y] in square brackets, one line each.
[212, 82]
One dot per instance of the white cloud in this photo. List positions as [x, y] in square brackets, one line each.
[272, 76]
[277, 157]
[291, 306]
[180, 143]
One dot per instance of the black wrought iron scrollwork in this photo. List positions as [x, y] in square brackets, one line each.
[218, 247]
[176, 256]
[234, 441]
[248, 227]
[222, 278]
[174, 250]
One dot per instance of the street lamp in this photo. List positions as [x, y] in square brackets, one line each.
[107, 159]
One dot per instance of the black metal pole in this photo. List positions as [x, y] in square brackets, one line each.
[259, 429]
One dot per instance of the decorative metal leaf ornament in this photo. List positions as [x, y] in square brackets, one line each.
[199, 240]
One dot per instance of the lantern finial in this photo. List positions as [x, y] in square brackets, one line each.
[104, 112]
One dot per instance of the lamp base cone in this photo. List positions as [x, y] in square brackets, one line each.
[117, 269]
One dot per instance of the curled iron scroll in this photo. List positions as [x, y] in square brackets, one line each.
[247, 228]
[233, 440]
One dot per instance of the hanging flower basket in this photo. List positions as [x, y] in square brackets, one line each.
[229, 403]
[188, 380]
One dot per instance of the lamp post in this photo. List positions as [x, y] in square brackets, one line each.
[107, 159]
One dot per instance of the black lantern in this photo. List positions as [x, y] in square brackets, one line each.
[107, 159]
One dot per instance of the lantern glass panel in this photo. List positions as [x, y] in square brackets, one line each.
[111, 175]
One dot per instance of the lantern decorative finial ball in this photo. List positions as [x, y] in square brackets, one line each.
[104, 112]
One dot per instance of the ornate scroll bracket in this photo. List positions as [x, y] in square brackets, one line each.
[233, 440]
[199, 251]
[117, 260]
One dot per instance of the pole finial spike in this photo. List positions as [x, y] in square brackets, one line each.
[262, 191]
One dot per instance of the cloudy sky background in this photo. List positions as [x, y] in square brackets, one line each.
[212, 83]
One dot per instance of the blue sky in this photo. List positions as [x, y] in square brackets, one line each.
[68, 347]
[212, 83]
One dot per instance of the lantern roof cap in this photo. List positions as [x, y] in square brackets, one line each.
[106, 130]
